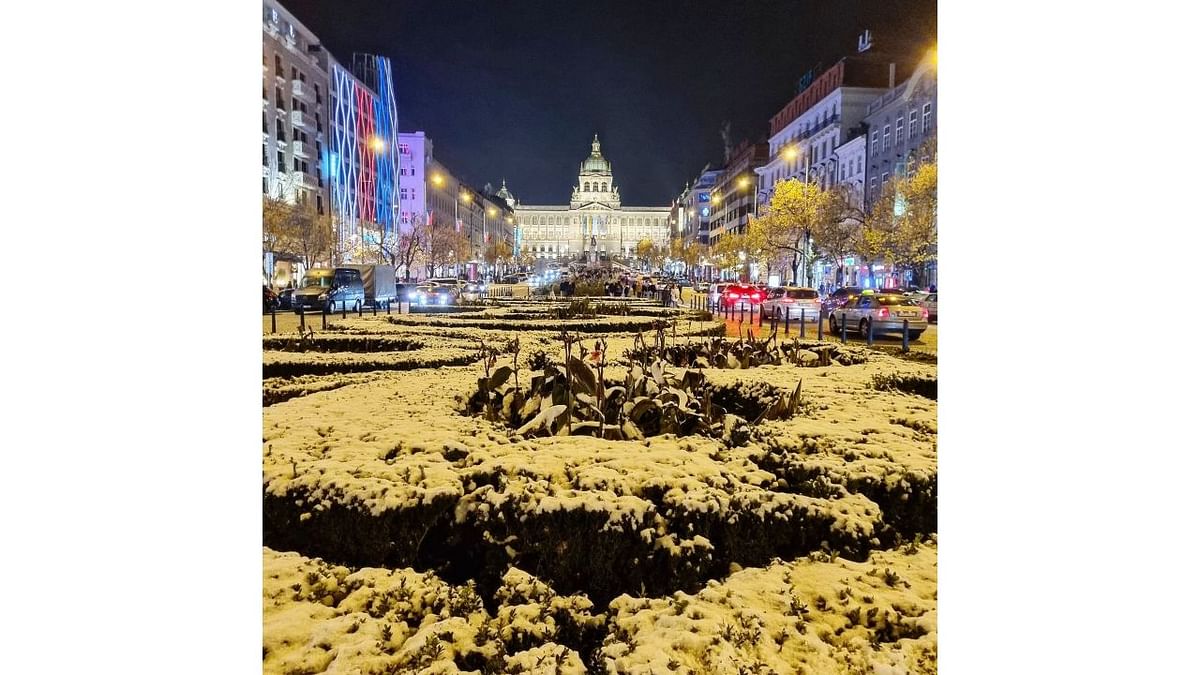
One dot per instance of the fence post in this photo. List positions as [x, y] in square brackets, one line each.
[904, 345]
[802, 322]
[870, 332]
[301, 318]
[272, 320]
[843, 327]
[821, 325]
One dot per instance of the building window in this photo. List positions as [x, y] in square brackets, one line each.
[926, 117]
[874, 141]
[278, 66]
[883, 178]
[295, 164]
[317, 87]
[404, 149]
[912, 124]
[279, 98]
[320, 205]
[279, 133]
[280, 163]
[887, 134]
[293, 72]
[265, 163]
[899, 128]
[266, 186]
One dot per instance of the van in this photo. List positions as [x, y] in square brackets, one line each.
[330, 290]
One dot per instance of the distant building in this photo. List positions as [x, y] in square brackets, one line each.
[898, 122]
[593, 220]
[735, 194]
[696, 207]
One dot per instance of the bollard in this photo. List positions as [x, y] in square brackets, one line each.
[343, 309]
[743, 319]
[323, 315]
[360, 305]
[272, 320]
[904, 344]
[387, 306]
[787, 320]
[801, 322]
[843, 327]
[301, 318]
[821, 325]
[760, 313]
[372, 309]
[870, 332]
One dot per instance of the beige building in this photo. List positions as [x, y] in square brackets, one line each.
[593, 220]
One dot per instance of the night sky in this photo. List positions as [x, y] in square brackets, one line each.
[516, 89]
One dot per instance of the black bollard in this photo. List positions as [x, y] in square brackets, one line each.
[760, 313]
[301, 318]
[787, 321]
[272, 320]
[801, 322]
[360, 305]
[343, 309]
[870, 332]
[821, 325]
[904, 344]
[387, 306]
[843, 327]
[743, 319]
[323, 315]
[372, 309]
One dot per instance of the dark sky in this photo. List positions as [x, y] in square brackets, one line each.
[516, 89]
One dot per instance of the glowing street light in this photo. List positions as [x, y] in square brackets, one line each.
[790, 153]
[378, 144]
[466, 198]
[492, 212]
[437, 179]
[743, 182]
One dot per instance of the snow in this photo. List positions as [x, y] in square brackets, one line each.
[390, 444]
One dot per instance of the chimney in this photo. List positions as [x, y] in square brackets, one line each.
[891, 75]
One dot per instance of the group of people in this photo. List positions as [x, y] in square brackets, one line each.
[621, 286]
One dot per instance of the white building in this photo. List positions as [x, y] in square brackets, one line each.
[851, 160]
[593, 220]
[414, 152]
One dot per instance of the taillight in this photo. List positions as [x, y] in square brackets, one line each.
[883, 312]
[924, 313]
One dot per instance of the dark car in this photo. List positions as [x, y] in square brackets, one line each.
[840, 297]
[285, 298]
[270, 299]
[330, 290]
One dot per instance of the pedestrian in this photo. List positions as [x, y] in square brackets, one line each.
[676, 296]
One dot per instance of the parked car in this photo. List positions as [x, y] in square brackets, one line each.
[474, 291]
[330, 290]
[738, 296]
[715, 291]
[436, 295]
[270, 299]
[789, 301]
[839, 297]
[883, 312]
[285, 298]
[702, 287]
[447, 281]
[929, 303]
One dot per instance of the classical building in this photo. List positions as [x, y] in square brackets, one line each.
[900, 121]
[593, 220]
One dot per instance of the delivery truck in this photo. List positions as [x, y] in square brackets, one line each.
[379, 283]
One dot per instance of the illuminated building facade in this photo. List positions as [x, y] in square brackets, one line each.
[363, 158]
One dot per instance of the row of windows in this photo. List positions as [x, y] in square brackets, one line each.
[926, 126]
[807, 128]
[595, 187]
[563, 220]
[296, 75]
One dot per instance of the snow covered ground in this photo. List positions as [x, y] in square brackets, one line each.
[372, 468]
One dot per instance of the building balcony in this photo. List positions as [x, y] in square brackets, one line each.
[302, 90]
[299, 150]
[301, 120]
[301, 179]
[821, 126]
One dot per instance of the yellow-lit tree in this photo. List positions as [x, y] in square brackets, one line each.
[797, 209]
[902, 226]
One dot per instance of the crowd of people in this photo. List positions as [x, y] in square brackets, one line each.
[620, 285]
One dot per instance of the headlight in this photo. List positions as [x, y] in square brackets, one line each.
[324, 296]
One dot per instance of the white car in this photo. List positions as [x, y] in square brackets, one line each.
[788, 301]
